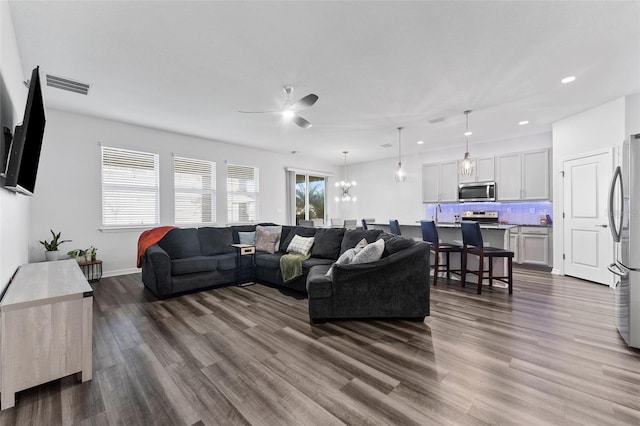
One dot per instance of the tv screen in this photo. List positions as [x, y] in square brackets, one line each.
[24, 155]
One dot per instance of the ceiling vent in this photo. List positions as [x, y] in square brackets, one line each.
[437, 120]
[386, 145]
[68, 85]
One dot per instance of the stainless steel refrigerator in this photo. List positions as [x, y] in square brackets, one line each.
[624, 221]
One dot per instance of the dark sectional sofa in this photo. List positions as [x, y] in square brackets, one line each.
[190, 259]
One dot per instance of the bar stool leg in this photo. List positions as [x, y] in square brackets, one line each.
[490, 272]
[463, 274]
[448, 266]
[480, 272]
[436, 267]
[510, 275]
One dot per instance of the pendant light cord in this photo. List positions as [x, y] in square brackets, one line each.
[399, 145]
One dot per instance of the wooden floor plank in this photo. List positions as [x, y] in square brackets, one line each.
[548, 354]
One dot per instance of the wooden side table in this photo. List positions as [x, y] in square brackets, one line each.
[244, 261]
[92, 269]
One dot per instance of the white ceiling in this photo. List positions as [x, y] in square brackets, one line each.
[188, 67]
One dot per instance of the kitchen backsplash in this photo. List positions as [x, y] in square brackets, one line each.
[519, 213]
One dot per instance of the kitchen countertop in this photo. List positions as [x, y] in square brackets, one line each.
[457, 225]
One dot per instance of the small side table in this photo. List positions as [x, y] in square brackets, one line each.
[92, 269]
[245, 261]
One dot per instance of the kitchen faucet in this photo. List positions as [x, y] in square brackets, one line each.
[438, 208]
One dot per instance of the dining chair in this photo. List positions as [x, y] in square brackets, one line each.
[472, 244]
[318, 223]
[394, 227]
[336, 222]
[306, 223]
[430, 235]
[366, 223]
[351, 223]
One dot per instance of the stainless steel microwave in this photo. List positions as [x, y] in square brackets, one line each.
[477, 191]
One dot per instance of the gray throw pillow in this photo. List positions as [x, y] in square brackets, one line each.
[266, 240]
[370, 253]
[347, 257]
[247, 237]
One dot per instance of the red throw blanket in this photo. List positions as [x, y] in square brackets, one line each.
[149, 238]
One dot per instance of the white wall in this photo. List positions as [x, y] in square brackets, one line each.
[595, 130]
[14, 208]
[383, 199]
[68, 191]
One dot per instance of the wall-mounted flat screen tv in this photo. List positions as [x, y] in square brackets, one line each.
[24, 155]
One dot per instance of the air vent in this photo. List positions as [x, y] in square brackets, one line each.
[386, 145]
[437, 120]
[68, 85]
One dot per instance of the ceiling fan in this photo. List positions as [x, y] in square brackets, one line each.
[290, 109]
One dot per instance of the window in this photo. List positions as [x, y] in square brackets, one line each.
[129, 188]
[242, 193]
[310, 197]
[195, 190]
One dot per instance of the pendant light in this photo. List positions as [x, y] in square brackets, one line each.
[466, 167]
[344, 185]
[400, 176]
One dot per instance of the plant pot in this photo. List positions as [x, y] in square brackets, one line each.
[52, 255]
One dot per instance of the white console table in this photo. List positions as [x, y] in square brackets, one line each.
[46, 319]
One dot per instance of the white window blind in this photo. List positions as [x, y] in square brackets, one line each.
[195, 190]
[242, 193]
[129, 187]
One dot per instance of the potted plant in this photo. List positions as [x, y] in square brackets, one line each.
[92, 252]
[51, 247]
[78, 254]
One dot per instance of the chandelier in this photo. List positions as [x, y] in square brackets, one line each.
[345, 186]
[466, 166]
[400, 175]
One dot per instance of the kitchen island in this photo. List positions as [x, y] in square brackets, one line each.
[493, 235]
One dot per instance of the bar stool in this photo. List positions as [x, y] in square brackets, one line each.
[472, 244]
[367, 222]
[394, 226]
[430, 235]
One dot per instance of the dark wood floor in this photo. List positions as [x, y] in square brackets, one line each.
[549, 354]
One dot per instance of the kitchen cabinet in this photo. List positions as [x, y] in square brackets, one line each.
[523, 176]
[531, 245]
[440, 182]
[483, 171]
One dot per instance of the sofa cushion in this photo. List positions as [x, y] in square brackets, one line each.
[353, 236]
[226, 262]
[267, 238]
[181, 243]
[394, 243]
[286, 229]
[327, 243]
[300, 245]
[318, 283]
[297, 230]
[215, 240]
[267, 260]
[194, 264]
[313, 261]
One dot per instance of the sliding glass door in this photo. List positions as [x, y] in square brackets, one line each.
[310, 197]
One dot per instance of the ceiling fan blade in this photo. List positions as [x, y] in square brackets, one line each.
[257, 112]
[305, 102]
[305, 124]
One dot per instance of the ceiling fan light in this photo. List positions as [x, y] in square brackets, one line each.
[288, 114]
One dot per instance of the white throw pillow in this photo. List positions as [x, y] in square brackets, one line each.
[370, 253]
[348, 256]
[300, 245]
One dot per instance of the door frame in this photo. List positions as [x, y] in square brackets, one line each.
[559, 222]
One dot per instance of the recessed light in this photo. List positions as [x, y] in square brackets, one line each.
[420, 142]
[569, 79]
[523, 122]
[468, 133]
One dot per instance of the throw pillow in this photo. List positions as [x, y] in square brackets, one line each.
[370, 253]
[352, 236]
[297, 230]
[247, 237]
[272, 228]
[300, 245]
[326, 244]
[347, 257]
[266, 240]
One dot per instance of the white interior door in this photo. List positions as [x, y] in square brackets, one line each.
[588, 246]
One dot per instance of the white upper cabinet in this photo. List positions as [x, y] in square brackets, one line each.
[430, 183]
[440, 182]
[523, 176]
[449, 181]
[483, 170]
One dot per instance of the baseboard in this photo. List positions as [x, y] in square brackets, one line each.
[120, 272]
